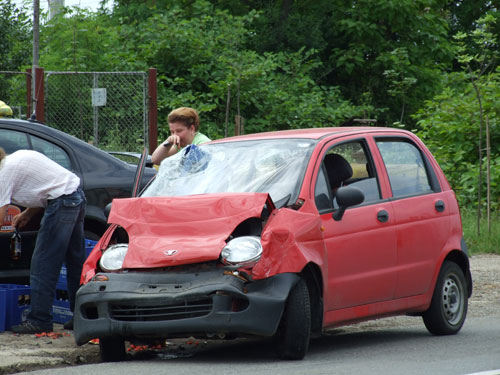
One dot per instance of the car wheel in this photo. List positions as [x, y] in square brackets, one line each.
[294, 331]
[92, 236]
[448, 309]
[112, 349]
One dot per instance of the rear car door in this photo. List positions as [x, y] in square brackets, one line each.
[361, 247]
[421, 214]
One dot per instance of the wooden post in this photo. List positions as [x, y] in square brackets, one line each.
[39, 95]
[28, 93]
[239, 122]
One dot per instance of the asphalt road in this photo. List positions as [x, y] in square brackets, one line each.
[400, 346]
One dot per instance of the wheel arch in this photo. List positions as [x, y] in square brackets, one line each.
[461, 259]
[314, 280]
[94, 224]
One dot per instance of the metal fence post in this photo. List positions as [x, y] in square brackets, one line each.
[153, 110]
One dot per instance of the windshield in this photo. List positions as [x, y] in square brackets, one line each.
[266, 166]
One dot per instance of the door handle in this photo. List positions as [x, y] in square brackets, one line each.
[383, 216]
[439, 206]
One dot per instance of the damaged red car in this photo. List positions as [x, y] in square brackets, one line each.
[282, 234]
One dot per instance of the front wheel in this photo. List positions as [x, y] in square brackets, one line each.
[294, 331]
[112, 349]
[448, 309]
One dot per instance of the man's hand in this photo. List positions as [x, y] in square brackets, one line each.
[24, 217]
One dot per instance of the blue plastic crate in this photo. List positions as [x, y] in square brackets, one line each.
[89, 245]
[17, 303]
[61, 311]
[3, 305]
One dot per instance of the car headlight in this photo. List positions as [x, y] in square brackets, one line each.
[112, 258]
[242, 251]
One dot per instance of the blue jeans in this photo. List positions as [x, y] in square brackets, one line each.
[60, 240]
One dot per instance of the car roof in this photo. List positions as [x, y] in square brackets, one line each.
[310, 133]
[89, 154]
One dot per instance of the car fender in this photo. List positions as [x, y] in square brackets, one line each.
[290, 240]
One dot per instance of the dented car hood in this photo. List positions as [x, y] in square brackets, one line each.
[170, 231]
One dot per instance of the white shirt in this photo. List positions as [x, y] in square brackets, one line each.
[29, 178]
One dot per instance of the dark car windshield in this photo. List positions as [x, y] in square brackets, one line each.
[272, 166]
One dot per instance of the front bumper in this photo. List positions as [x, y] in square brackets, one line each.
[144, 305]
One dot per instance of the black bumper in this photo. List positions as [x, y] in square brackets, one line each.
[179, 304]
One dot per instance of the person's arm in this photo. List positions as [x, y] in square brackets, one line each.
[165, 149]
[24, 217]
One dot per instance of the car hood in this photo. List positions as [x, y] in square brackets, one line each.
[170, 231]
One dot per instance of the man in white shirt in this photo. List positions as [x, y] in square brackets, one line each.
[30, 179]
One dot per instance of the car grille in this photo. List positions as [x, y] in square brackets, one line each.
[174, 311]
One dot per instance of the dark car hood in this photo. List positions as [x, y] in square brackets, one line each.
[169, 231]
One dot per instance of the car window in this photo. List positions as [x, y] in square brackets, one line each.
[322, 193]
[11, 141]
[405, 167]
[347, 164]
[52, 151]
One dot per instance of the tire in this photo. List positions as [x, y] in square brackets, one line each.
[89, 235]
[294, 331]
[112, 349]
[448, 309]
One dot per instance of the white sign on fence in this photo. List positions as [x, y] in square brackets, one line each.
[98, 97]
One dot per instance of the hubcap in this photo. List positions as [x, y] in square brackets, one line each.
[453, 304]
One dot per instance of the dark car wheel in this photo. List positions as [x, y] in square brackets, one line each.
[294, 331]
[112, 349]
[448, 309]
[89, 235]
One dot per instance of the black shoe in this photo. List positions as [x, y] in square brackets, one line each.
[30, 327]
[68, 324]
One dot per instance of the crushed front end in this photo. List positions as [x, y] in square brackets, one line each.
[199, 300]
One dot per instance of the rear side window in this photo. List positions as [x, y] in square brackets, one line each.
[52, 151]
[11, 141]
[405, 166]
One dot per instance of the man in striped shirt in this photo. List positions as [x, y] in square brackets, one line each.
[32, 180]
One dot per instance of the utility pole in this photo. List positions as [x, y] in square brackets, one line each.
[36, 41]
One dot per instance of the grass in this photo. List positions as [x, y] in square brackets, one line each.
[487, 242]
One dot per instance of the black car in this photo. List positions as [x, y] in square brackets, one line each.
[103, 177]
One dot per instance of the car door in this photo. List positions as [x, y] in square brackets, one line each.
[421, 216]
[361, 247]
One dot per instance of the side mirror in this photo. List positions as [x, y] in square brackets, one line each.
[347, 196]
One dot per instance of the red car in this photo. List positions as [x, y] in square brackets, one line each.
[279, 234]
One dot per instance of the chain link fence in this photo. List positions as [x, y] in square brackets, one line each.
[13, 91]
[107, 109]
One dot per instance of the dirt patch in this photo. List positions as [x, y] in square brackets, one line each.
[28, 352]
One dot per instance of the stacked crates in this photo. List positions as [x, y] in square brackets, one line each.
[15, 300]
[14, 303]
[61, 311]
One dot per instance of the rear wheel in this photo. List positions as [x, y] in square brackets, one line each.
[294, 331]
[112, 349]
[448, 309]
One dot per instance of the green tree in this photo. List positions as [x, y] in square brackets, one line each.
[448, 124]
[357, 42]
[478, 52]
[15, 47]
[200, 51]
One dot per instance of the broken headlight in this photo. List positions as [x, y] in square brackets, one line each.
[242, 251]
[112, 258]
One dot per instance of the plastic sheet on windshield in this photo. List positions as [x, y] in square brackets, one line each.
[268, 166]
